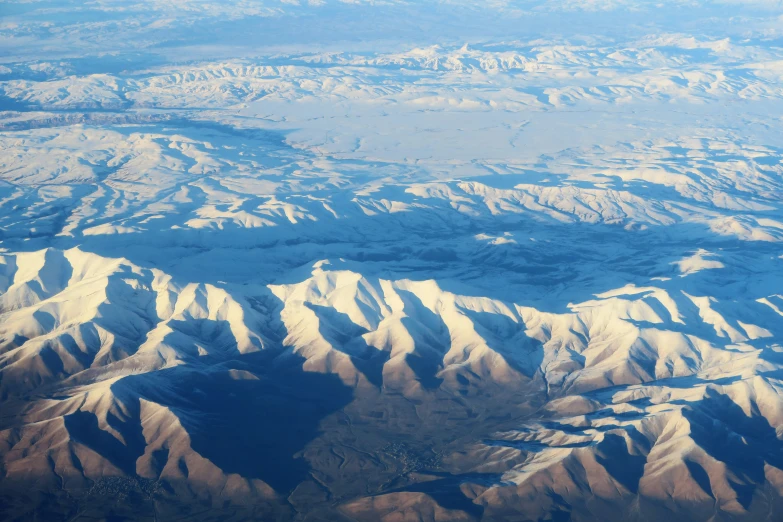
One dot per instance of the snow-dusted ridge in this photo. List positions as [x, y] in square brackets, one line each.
[391, 261]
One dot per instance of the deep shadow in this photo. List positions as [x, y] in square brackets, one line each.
[534, 446]
[212, 335]
[447, 493]
[432, 339]
[746, 444]
[700, 475]
[626, 468]
[83, 428]
[346, 336]
[508, 339]
[254, 425]
[45, 319]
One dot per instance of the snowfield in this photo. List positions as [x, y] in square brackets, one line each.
[388, 261]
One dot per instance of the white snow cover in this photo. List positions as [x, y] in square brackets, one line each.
[381, 260]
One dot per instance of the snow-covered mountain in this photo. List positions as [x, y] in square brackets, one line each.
[391, 261]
